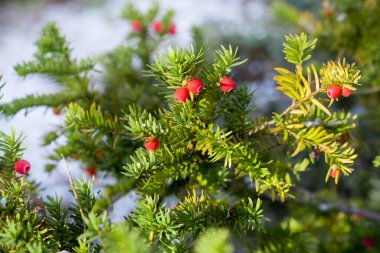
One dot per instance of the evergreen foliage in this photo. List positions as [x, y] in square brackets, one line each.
[27, 223]
[85, 103]
[349, 29]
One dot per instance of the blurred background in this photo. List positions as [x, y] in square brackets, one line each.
[344, 28]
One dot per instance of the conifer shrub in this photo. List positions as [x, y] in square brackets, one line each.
[209, 172]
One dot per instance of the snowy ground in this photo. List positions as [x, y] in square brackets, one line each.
[92, 30]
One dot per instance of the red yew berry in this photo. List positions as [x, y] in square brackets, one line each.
[100, 153]
[157, 26]
[334, 91]
[136, 26]
[334, 170]
[329, 13]
[368, 241]
[151, 144]
[346, 92]
[172, 29]
[227, 84]
[195, 85]
[22, 167]
[91, 171]
[357, 217]
[344, 138]
[181, 94]
[57, 110]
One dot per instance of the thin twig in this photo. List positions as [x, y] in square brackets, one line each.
[345, 208]
[323, 205]
[287, 110]
[315, 145]
[74, 191]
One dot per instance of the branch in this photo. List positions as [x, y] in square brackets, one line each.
[323, 205]
[74, 191]
[345, 208]
[292, 107]
[315, 145]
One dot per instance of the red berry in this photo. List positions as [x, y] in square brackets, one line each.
[329, 13]
[181, 94]
[346, 92]
[357, 217]
[227, 84]
[22, 167]
[172, 29]
[334, 91]
[136, 26]
[157, 26]
[195, 85]
[368, 242]
[334, 170]
[100, 153]
[344, 138]
[151, 144]
[91, 171]
[57, 110]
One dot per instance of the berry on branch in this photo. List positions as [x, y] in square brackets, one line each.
[136, 26]
[57, 110]
[368, 241]
[227, 84]
[344, 138]
[357, 217]
[100, 153]
[157, 26]
[181, 94]
[346, 92]
[172, 29]
[329, 13]
[195, 85]
[91, 171]
[151, 144]
[334, 91]
[334, 170]
[22, 167]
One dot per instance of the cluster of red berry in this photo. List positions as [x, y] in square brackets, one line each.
[157, 26]
[334, 91]
[194, 85]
